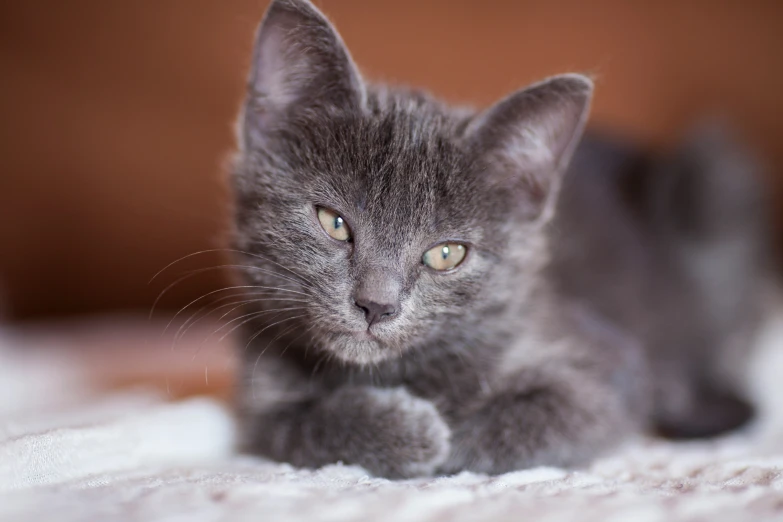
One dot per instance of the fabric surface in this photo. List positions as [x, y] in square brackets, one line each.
[68, 453]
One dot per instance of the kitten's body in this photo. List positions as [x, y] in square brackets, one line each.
[525, 354]
[673, 249]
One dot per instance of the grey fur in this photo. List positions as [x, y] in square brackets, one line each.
[528, 353]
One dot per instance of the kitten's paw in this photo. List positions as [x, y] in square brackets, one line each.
[410, 438]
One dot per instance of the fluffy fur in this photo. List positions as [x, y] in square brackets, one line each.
[575, 319]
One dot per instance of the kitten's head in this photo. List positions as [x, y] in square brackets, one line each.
[377, 220]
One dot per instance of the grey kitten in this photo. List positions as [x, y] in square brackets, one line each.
[425, 298]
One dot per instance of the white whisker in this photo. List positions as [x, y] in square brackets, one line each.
[212, 293]
[234, 250]
[183, 330]
[253, 316]
[255, 366]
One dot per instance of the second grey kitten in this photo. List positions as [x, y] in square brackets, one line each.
[426, 299]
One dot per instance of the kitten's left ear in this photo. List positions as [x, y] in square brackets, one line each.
[299, 62]
[529, 137]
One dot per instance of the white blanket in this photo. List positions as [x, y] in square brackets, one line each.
[67, 453]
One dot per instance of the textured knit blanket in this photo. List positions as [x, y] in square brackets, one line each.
[68, 452]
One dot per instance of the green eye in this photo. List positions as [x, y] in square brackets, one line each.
[444, 256]
[334, 225]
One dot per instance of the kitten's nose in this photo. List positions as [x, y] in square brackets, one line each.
[375, 312]
[377, 294]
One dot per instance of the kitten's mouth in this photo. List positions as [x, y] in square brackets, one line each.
[364, 335]
[357, 347]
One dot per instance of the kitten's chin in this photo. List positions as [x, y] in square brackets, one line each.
[359, 348]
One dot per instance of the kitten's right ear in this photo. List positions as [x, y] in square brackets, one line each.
[299, 60]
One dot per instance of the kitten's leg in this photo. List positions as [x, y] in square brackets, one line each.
[387, 431]
[540, 417]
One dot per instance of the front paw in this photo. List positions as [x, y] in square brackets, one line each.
[396, 435]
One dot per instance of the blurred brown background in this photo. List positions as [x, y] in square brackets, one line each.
[117, 115]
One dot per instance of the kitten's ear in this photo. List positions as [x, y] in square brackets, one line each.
[528, 138]
[299, 60]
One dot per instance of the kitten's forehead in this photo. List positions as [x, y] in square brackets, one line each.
[402, 164]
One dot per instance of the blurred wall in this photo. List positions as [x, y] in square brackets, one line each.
[117, 115]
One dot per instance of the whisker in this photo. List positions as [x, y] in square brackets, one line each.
[183, 330]
[307, 330]
[241, 295]
[257, 269]
[255, 366]
[318, 364]
[205, 311]
[254, 315]
[195, 316]
[278, 336]
[251, 317]
[255, 335]
[211, 250]
[169, 287]
[250, 301]
[265, 258]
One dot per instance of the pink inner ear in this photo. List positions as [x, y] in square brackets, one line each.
[273, 68]
[532, 145]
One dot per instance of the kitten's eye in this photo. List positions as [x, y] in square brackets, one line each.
[444, 256]
[334, 225]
